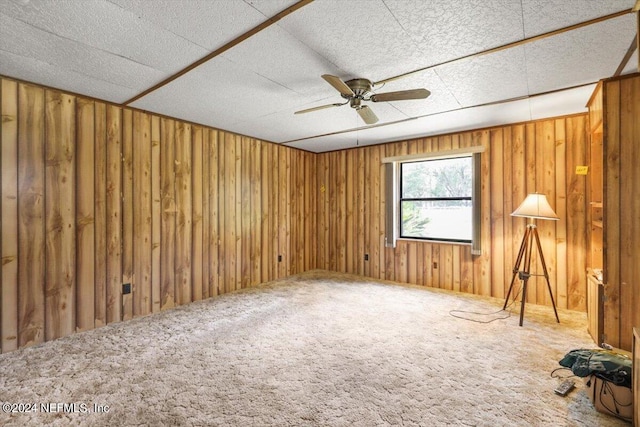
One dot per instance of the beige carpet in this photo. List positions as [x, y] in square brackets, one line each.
[317, 349]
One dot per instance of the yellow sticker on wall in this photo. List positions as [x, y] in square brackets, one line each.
[582, 170]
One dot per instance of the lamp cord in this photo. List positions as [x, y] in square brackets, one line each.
[453, 313]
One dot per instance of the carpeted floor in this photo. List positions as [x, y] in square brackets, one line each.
[317, 349]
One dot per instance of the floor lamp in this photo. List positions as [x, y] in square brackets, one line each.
[535, 206]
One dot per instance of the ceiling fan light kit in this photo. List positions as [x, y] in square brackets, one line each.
[357, 90]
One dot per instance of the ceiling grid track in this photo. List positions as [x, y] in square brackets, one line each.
[225, 65]
[513, 44]
[222, 49]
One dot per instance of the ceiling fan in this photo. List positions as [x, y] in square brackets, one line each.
[357, 90]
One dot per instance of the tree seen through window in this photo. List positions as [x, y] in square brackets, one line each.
[436, 199]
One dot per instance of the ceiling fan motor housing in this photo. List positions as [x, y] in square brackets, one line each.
[360, 87]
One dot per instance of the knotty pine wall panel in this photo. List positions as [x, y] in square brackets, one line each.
[197, 249]
[621, 99]
[156, 215]
[518, 159]
[31, 214]
[100, 218]
[85, 214]
[127, 213]
[9, 219]
[93, 196]
[113, 183]
[60, 222]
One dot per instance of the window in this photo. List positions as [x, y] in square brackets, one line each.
[436, 199]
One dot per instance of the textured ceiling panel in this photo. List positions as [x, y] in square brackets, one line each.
[558, 104]
[551, 105]
[285, 126]
[210, 24]
[440, 99]
[361, 37]
[279, 57]
[581, 56]
[108, 28]
[116, 49]
[446, 30]
[289, 126]
[465, 119]
[328, 143]
[460, 120]
[58, 52]
[542, 16]
[632, 66]
[219, 93]
[487, 78]
[538, 107]
[270, 7]
[33, 70]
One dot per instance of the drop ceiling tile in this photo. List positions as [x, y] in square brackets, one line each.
[445, 30]
[108, 28]
[544, 16]
[437, 124]
[632, 66]
[487, 78]
[210, 24]
[561, 103]
[441, 98]
[577, 57]
[33, 70]
[270, 7]
[361, 37]
[287, 126]
[465, 119]
[24, 41]
[219, 93]
[328, 143]
[279, 57]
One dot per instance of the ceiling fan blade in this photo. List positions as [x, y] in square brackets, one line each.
[321, 107]
[401, 95]
[338, 84]
[367, 115]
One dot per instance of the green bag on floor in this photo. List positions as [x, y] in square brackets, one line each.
[604, 364]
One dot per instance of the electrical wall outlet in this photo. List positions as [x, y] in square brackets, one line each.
[279, 258]
[366, 257]
[126, 288]
[435, 265]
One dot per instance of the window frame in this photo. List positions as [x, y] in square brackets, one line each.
[392, 193]
[433, 199]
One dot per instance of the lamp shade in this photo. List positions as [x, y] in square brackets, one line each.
[535, 206]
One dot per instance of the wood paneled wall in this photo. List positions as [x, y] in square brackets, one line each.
[518, 159]
[94, 196]
[621, 225]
